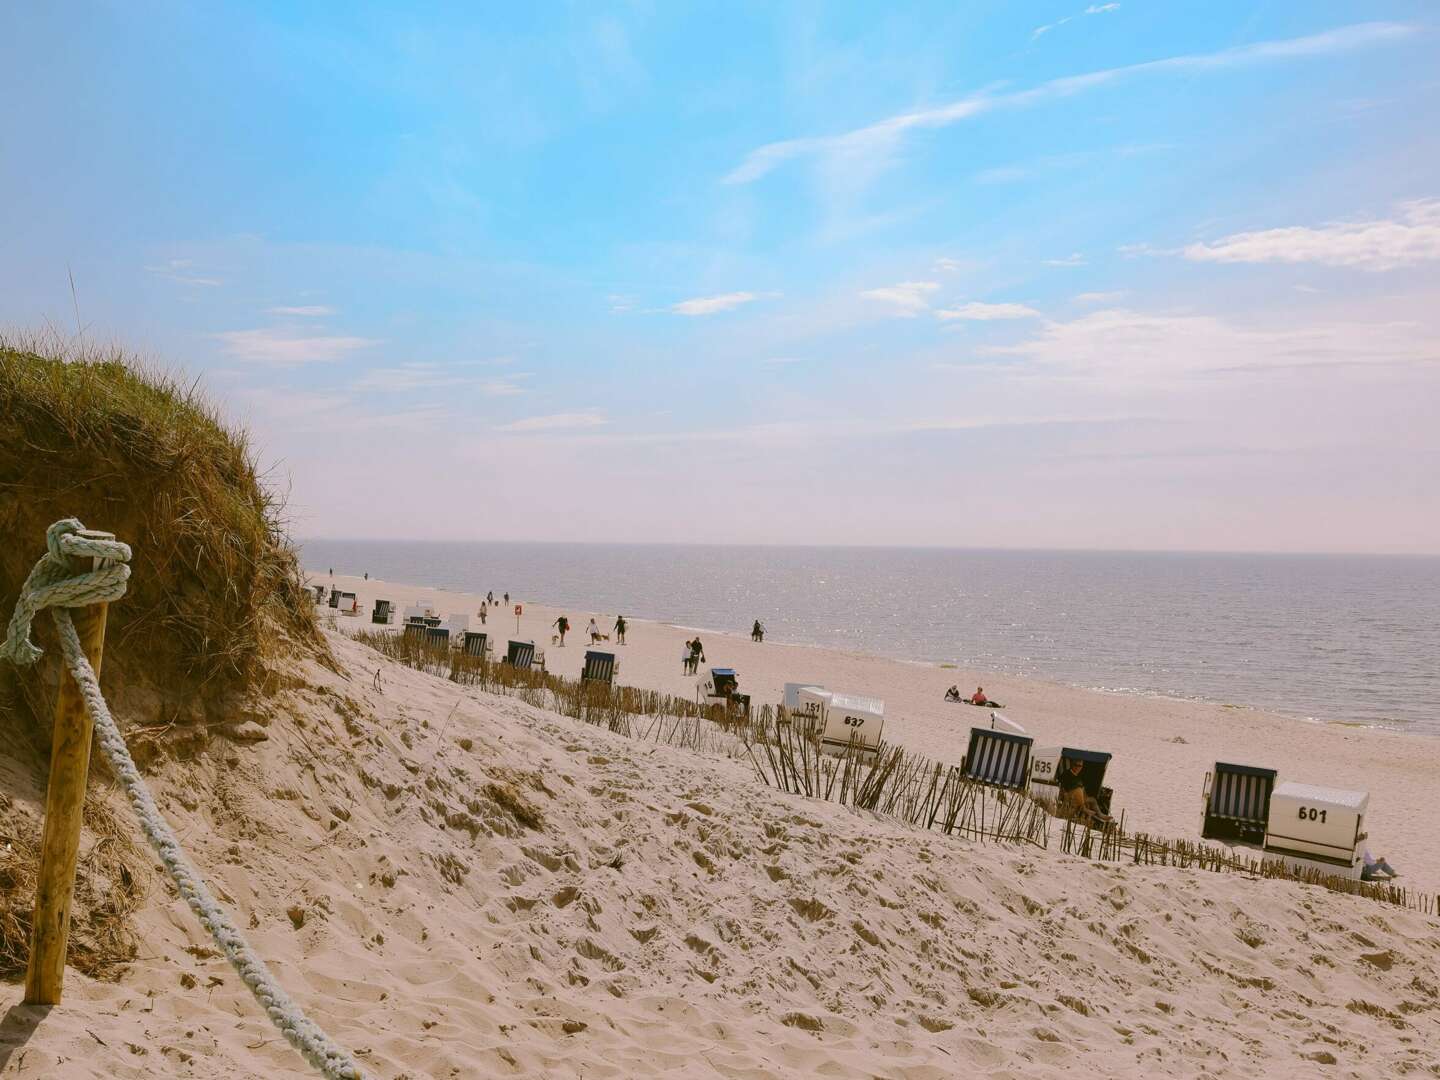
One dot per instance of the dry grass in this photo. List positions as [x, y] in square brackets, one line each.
[215, 590]
[110, 883]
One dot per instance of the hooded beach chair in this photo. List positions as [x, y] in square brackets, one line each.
[1237, 803]
[599, 667]
[457, 624]
[384, 613]
[522, 654]
[415, 629]
[437, 637]
[335, 598]
[476, 644]
[319, 593]
[999, 758]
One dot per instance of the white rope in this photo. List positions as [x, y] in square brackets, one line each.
[47, 588]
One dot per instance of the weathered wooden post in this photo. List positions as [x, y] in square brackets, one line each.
[64, 803]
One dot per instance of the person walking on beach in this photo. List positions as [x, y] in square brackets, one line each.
[562, 624]
[507, 599]
[697, 654]
[593, 631]
[620, 630]
[757, 632]
[483, 608]
[687, 656]
[490, 598]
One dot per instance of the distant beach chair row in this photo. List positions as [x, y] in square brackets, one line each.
[1306, 826]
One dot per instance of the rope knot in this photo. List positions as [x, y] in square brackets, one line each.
[57, 581]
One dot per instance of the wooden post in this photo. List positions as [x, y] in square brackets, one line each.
[64, 803]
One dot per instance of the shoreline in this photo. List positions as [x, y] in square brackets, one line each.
[1397, 727]
[1163, 747]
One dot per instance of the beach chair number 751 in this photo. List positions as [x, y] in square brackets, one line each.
[1309, 813]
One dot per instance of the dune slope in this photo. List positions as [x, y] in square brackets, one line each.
[462, 885]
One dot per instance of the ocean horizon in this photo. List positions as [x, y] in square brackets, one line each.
[1329, 637]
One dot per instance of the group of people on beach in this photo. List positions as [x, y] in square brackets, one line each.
[977, 698]
[562, 627]
[692, 655]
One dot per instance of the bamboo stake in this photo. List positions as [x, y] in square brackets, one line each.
[64, 805]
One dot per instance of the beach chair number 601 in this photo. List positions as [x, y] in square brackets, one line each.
[1309, 813]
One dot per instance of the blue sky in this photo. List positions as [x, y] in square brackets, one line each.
[1130, 274]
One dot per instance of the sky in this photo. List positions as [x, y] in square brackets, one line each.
[1154, 275]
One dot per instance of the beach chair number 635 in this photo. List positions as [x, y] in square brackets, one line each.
[1309, 813]
[854, 721]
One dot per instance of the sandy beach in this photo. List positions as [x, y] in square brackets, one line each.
[457, 884]
[1162, 747]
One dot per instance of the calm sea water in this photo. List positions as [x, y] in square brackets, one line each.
[1348, 638]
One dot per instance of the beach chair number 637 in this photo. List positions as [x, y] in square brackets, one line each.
[854, 721]
[1309, 813]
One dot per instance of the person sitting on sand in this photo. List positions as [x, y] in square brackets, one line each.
[953, 694]
[1375, 869]
[979, 698]
[1072, 786]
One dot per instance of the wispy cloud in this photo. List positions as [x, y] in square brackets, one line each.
[427, 376]
[710, 305]
[987, 312]
[1093, 9]
[270, 346]
[1412, 236]
[1133, 347]
[866, 147]
[311, 311]
[908, 298]
[1099, 297]
[181, 270]
[1073, 259]
[620, 303]
[947, 265]
[569, 421]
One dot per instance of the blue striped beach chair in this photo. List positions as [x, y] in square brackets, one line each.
[998, 758]
[1237, 803]
[599, 667]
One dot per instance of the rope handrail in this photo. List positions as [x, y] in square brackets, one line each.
[55, 583]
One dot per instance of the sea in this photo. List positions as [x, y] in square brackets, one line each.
[1339, 638]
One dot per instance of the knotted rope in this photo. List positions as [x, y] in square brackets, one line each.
[56, 583]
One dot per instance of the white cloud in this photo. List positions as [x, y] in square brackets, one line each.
[312, 311]
[1099, 297]
[909, 298]
[1136, 347]
[1093, 9]
[945, 265]
[180, 270]
[269, 346]
[709, 305]
[558, 421]
[1073, 259]
[423, 376]
[869, 146]
[1411, 237]
[987, 312]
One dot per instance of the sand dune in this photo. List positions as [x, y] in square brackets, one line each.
[483, 888]
[1163, 747]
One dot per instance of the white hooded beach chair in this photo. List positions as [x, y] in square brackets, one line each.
[1317, 828]
[457, 624]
